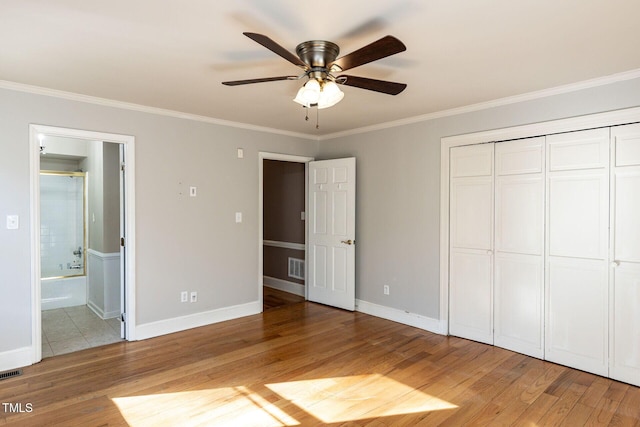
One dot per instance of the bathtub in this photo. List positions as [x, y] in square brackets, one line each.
[63, 292]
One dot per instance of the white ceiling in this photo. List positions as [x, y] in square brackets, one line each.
[174, 54]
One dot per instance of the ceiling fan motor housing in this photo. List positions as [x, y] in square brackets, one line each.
[318, 54]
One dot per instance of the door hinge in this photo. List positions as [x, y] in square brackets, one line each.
[122, 165]
[122, 242]
[123, 317]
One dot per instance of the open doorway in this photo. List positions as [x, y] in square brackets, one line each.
[80, 218]
[282, 252]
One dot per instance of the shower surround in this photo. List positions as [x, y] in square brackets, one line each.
[63, 239]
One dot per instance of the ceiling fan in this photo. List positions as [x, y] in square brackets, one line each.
[317, 58]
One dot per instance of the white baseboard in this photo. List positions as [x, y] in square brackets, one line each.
[401, 316]
[177, 324]
[101, 313]
[283, 285]
[17, 358]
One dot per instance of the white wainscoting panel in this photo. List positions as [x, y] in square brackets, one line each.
[103, 283]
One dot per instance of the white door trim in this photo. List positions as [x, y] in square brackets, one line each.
[611, 118]
[34, 161]
[285, 158]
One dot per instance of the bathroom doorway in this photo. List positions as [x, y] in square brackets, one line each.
[80, 195]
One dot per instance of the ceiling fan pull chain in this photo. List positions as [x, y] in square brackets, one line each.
[306, 114]
[317, 118]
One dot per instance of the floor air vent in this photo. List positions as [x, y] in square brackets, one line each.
[10, 374]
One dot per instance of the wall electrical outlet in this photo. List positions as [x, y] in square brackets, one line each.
[194, 296]
[385, 289]
[184, 296]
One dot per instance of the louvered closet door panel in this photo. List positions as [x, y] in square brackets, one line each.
[625, 289]
[471, 243]
[519, 246]
[577, 221]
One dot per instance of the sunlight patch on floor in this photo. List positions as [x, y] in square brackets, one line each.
[330, 400]
[237, 406]
[343, 399]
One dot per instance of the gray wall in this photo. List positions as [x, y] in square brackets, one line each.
[183, 243]
[103, 167]
[398, 190]
[194, 244]
[111, 197]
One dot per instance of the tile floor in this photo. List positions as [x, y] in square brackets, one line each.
[65, 330]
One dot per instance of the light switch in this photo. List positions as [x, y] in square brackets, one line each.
[13, 222]
[240, 153]
[238, 216]
[193, 191]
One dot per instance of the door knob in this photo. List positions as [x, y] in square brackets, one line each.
[615, 264]
[348, 242]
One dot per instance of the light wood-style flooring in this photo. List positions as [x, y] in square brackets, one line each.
[307, 364]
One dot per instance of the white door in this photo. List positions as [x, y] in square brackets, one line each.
[471, 243]
[332, 209]
[519, 246]
[625, 278]
[577, 219]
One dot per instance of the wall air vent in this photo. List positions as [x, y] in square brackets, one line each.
[296, 268]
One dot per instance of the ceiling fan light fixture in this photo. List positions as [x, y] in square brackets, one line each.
[300, 99]
[309, 94]
[319, 61]
[323, 95]
[330, 95]
[311, 91]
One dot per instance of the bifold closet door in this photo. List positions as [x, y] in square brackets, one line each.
[471, 243]
[519, 246]
[625, 276]
[577, 220]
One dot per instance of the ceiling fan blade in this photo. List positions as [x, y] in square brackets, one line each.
[379, 49]
[383, 86]
[276, 48]
[262, 80]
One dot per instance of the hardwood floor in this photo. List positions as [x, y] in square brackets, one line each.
[272, 298]
[307, 364]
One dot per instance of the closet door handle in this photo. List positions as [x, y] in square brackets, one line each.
[615, 264]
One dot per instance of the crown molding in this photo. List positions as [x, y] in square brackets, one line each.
[572, 87]
[38, 90]
[544, 93]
